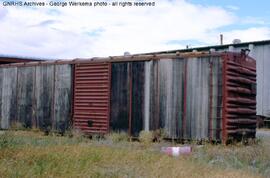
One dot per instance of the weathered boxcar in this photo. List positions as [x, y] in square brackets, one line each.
[188, 95]
[260, 51]
[36, 95]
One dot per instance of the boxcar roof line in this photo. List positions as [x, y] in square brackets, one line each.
[128, 58]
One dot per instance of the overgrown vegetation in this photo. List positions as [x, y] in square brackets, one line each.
[31, 154]
[146, 138]
[117, 137]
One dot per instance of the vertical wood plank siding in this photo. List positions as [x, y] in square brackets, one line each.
[171, 77]
[44, 96]
[123, 85]
[25, 91]
[8, 96]
[154, 112]
[197, 98]
[119, 98]
[138, 82]
[187, 98]
[62, 97]
[215, 97]
[37, 96]
[158, 97]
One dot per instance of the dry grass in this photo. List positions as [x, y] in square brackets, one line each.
[30, 154]
[115, 137]
[146, 138]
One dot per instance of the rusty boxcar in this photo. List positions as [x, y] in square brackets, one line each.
[188, 95]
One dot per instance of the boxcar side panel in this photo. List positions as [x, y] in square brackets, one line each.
[119, 120]
[62, 97]
[44, 96]
[171, 81]
[197, 98]
[137, 97]
[1, 95]
[147, 91]
[25, 91]
[154, 103]
[215, 114]
[8, 100]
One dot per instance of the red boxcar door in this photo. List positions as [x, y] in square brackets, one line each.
[91, 106]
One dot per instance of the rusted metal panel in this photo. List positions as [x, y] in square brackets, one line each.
[261, 53]
[92, 97]
[239, 98]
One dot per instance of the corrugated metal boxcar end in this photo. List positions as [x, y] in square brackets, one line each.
[239, 98]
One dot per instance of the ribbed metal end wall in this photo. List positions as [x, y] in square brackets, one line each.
[239, 117]
[92, 97]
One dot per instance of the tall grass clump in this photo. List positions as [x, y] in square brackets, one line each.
[146, 137]
[116, 137]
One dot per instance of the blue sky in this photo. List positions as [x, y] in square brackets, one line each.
[73, 32]
[259, 10]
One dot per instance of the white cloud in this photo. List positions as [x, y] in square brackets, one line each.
[250, 34]
[72, 32]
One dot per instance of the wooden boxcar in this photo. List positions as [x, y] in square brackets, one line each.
[194, 96]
